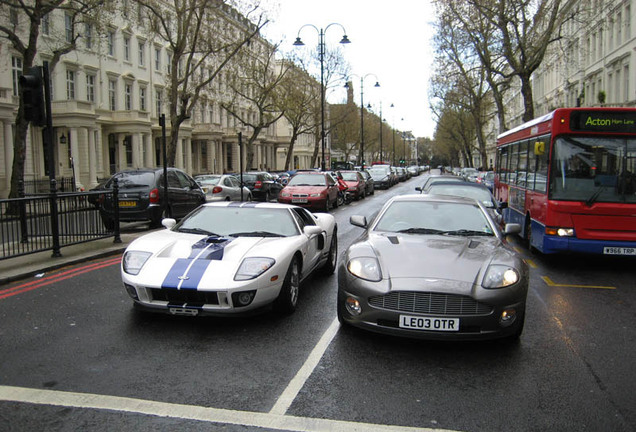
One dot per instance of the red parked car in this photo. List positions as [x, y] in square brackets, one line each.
[317, 191]
[356, 184]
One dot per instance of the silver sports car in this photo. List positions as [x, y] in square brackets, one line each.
[229, 258]
[433, 267]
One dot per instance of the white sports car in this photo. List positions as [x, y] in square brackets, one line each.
[229, 258]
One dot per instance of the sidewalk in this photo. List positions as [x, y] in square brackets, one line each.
[25, 266]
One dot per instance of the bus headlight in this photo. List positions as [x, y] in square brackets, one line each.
[561, 232]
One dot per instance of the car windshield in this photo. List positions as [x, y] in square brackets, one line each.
[434, 217]
[376, 172]
[133, 179]
[349, 176]
[591, 169]
[208, 181]
[429, 181]
[238, 221]
[477, 193]
[307, 180]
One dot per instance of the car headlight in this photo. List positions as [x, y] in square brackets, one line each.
[133, 261]
[285, 194]
[366, 268]
[315, 195]
[253, 267]
[500, 276]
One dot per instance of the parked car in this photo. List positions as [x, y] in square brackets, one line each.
[262, 185]
[315, 190]
[433, 267]
[487, 178]
[142, 196]
[470, 174]
[434, 178]
[382, 176]
[222, 187]
[356, 185]
[368, 182]
[228, 258]
[472, 190]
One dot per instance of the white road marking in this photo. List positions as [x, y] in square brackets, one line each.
[285, 400]
[192, 412]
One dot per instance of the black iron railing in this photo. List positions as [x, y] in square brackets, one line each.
[51, 221]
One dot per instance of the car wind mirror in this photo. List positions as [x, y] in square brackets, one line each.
[359, 221]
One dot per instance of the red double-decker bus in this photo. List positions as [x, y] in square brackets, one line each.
[569, 180]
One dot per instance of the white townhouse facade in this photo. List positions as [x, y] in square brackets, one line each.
[107, 98]
[595, 57]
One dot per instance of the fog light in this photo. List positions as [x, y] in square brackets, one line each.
[243, 298]
[353, 306]
[508, 317]
[132, 292]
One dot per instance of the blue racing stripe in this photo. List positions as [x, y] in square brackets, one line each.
[186, 273]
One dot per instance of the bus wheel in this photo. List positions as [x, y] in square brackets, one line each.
[528, 234]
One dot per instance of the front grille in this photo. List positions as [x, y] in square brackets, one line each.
[430, 303]
[299, 195]
[191, 297]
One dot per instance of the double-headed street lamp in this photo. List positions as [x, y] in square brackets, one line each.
[377, 84]
[321, 51]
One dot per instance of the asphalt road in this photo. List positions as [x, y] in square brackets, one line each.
[76, 356]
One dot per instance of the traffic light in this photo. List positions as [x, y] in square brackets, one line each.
[32, 92]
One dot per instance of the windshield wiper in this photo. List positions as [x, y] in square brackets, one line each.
[197, 231]
[591, 200]
[420, 231]
[466, 232]
[256, 234]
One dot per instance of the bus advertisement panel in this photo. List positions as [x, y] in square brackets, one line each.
[569, 180]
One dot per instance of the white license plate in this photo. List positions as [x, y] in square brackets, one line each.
[184, 311]
[299, 200]
[619, 251]
[429, 323]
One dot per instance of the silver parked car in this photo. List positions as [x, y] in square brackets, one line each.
[222, 187]
[433, 267]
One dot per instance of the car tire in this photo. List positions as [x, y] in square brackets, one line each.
[249, 197]
[268, 196]
[287, 299]
[332, 260]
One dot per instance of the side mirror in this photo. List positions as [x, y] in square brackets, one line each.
[168, 223]
[419, 189]
[512, 228]
[359, 221]
[312, 230]
[503, 205]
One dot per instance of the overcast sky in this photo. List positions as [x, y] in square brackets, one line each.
[390, 39]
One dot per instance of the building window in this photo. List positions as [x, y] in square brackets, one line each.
[111, 42]
[142, 49]
[157, 59]
[46, 25]
[158, 101]
[142, 98]
[68, 28]
[90, 88]
[128, 96]
[88, 35]
[127, 48]
[16, 72]
[169, 63]
[112, 94]
[70, 85]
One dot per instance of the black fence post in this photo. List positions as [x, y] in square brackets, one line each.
[116, 209]
[55, 229]
[24, 235]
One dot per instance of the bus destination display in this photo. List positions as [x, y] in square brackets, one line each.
[603, 121]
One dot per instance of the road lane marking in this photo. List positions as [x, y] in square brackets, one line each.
[531, 263]
[56, 277]
[193, 412]
[549, 282]
[285, 400]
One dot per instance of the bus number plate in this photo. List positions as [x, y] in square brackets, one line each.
[619, 251]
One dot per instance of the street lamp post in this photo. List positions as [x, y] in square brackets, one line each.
[393, 133]
[377, 84]
[321, 51]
